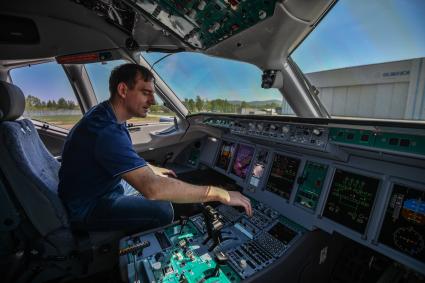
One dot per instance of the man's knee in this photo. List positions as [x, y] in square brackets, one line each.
[165, 214]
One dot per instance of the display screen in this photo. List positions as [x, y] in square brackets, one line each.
[258, 168]
[311, 184]
[404, 223]
[282, 176]
[242, 160]
[282, 233]
[351, 199]
[225, 155]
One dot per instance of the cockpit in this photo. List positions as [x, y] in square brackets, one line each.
[314, 110]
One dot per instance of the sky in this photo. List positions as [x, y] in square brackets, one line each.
[355, 32]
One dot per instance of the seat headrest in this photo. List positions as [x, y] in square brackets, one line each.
[12, 101]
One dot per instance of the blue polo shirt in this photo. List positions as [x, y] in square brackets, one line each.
[97, 151]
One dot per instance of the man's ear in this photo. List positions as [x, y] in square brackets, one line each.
[122, 90]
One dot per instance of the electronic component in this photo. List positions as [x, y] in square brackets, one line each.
[258, 168]
[242, 160]
[282, 176]
[249, 258]
[187, 252]
[202, 24]
[137, 247]
[225, 155]
[404, 223]
[350, 199]
[311, 184]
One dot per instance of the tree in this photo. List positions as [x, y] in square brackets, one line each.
[191, 105]
[62, 103]
[199, 103]
[32, 102]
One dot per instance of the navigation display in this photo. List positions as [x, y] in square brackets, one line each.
[311, 184]
[282, 176]
[242, 160]
[225, 156]
[259, 166]
[404, 223]
[351, 199]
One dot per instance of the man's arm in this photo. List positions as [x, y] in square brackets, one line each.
[156, 187]
[164, 172]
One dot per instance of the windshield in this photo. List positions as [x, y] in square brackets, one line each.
[367, 59]
[209, 84]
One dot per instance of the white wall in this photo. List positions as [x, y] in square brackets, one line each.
[394, 90]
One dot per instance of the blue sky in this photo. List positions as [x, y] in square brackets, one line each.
[355, 32]
[359, 32]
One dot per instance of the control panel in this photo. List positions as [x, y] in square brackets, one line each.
[305, 135]
[220, 244]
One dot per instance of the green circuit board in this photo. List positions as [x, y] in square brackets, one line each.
[184, 262]
[202, 23]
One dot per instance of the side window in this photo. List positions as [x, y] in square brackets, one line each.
[99, 77]
[48, 94]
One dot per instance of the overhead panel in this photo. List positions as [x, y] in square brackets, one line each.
[202, 24]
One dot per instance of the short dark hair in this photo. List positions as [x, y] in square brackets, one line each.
[127, 73]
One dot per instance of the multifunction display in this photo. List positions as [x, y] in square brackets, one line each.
[282, 176]
[225, 155]
[259, 167]
[242, 160]
[404, 223]
[311, 184]
[351, 199]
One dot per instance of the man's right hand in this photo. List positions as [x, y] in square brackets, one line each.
[238, 199]
[234, 199]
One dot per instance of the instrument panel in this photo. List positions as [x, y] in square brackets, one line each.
[298, 183]
[362, 196]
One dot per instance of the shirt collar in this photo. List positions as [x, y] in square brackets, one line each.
[107, 105]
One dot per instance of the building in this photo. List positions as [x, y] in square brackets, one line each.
[394, 90]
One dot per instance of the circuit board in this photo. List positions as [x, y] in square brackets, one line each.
[185, 252]
[203, 24]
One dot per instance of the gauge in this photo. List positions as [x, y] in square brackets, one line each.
[408, 240]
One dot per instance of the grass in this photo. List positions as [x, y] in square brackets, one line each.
[68, 121]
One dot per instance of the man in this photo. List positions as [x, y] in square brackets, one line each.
[98, 155]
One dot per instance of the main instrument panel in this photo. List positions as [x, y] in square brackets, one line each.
[365, 183]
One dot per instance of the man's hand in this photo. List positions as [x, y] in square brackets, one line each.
[238, 199]
[231, 198]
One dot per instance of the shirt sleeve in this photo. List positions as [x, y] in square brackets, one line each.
[114, 151]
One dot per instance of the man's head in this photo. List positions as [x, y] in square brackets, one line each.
[131, 86]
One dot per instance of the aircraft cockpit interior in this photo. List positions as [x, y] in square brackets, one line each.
[313, 110]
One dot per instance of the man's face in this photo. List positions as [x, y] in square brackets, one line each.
[140, 97]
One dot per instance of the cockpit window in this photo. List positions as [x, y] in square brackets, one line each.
[208, 84]
[49, 97]
[367, 59]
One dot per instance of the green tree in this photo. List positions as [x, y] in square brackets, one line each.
[62, 103]
[199, 103]
[33, 102]
[191, 105]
